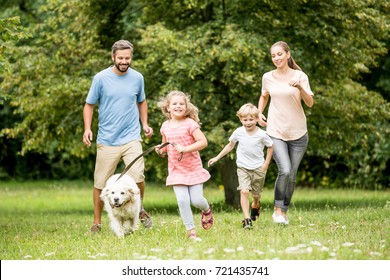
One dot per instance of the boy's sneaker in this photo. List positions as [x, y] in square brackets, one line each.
[247, 224]
[255, 213]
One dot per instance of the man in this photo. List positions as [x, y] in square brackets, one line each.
[119, 91]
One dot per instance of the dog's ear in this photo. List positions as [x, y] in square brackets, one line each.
[104, 192]
[134, 190]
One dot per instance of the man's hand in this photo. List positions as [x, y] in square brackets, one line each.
[148, 131]
[87, 138]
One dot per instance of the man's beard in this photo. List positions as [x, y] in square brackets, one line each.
[122, 67]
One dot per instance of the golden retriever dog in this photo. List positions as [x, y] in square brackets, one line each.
[122, 202]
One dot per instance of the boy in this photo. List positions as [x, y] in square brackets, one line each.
[251, 166]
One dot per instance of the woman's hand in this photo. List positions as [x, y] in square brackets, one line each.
[307, 98]
[296, 84]
[262, 120]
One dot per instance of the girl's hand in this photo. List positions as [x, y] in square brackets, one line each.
[179, 148]
[159, 151]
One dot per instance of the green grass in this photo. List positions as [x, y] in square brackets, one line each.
[51, 221]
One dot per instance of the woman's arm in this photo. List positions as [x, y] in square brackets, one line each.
[262, 104]
[307, 98]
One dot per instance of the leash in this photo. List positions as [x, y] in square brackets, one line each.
[148, 151]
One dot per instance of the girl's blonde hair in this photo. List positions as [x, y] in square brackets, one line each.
[191, 112]
[248, 109]
[291, 62]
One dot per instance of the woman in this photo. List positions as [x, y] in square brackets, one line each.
[287, 86]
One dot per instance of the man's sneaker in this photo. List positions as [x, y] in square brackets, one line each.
[279, 219]
[145, 219]
[247, 224]
[96, 228]
[255, 213]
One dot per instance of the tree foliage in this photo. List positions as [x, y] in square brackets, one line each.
[216, 51]
[10, 31]
[51, 73]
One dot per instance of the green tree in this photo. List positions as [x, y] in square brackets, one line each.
[10, 31]
[50, 78]
[216, 51]
[47, 84]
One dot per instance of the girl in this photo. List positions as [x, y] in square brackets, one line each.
[287, 86]
[185, 170]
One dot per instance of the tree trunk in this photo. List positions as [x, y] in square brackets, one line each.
[230, 182]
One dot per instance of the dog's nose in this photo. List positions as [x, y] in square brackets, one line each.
[116, 199]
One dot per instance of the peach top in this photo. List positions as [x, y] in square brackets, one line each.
[286, 118]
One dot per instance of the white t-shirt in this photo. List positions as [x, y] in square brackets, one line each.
[250, 149]
[286, 118]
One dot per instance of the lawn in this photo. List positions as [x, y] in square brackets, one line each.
[50, 220]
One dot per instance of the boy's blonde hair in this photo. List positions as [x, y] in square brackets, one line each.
[248, 109]
[191, 112]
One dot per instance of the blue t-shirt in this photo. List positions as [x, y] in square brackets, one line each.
[118, 97]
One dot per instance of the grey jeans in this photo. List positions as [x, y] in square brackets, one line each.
[288, 156]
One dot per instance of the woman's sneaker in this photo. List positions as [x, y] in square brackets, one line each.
[247, 224]
[279, 219]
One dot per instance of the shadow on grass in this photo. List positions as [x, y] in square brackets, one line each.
[154, 207]
[220, 206]
[304, 205]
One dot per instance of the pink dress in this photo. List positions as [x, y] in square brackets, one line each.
[189, 170]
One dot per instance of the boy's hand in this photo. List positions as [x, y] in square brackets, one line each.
[211, 161]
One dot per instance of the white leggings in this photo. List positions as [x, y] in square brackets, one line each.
[187, 195]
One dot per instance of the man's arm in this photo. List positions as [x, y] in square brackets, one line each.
[87, 115]
[143, 116]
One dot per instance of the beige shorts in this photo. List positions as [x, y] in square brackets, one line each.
[252, 180]
[108, 158]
